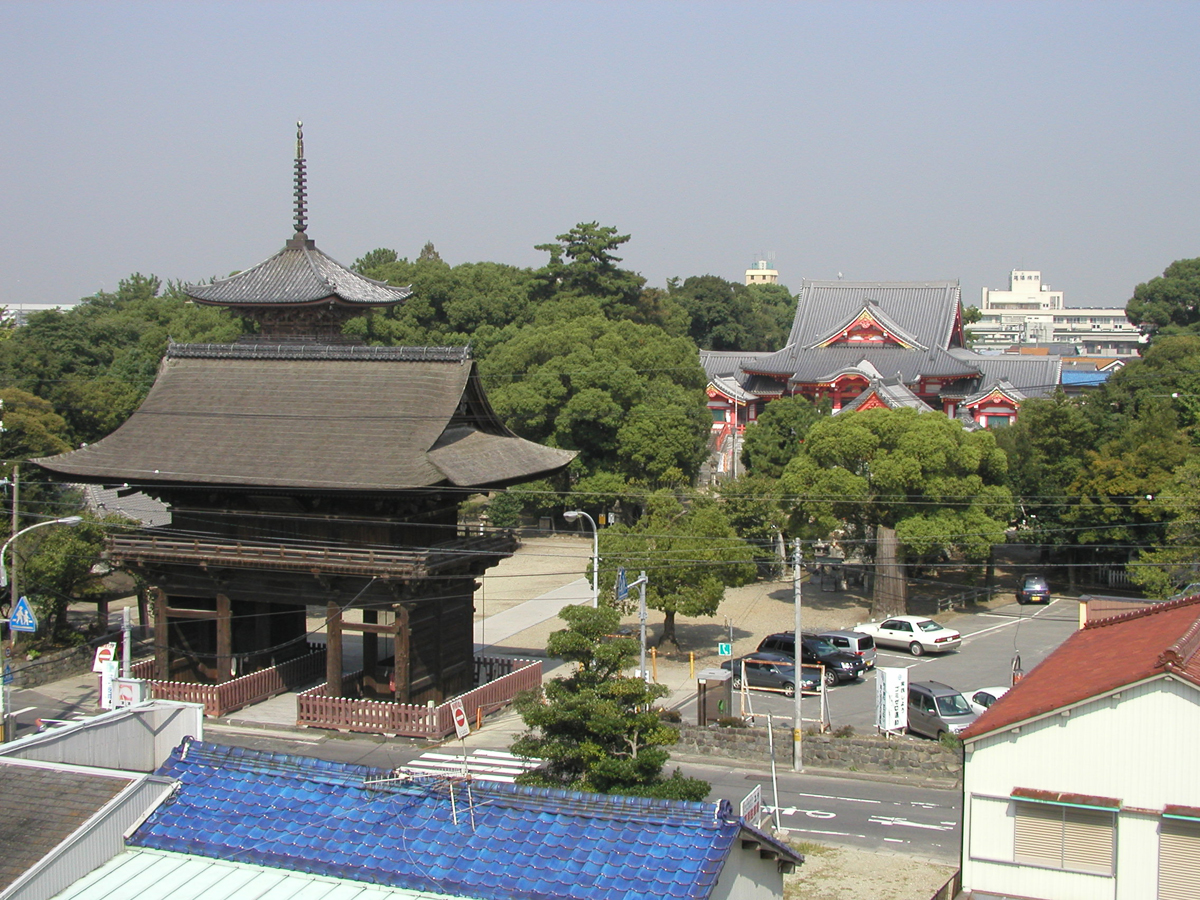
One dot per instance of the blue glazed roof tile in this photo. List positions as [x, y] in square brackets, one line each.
[497, 841]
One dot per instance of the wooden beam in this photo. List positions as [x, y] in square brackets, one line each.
[370, 649]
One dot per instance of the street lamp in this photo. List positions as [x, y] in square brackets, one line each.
[571, 515]
[65, 520]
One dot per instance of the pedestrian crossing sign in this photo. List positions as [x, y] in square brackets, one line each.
[22, 618]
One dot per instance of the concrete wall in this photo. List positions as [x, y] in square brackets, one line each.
[872, 754]
[54, 666]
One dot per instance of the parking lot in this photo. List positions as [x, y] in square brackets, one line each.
[991, 639]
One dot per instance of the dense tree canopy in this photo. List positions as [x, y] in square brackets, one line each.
[779, 433]
[1169, 304]
[924, 476]
[690, 554]
[726, 315]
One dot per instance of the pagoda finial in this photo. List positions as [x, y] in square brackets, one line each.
[301, 195]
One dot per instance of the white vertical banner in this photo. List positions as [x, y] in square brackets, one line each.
[108, 683]
[891, 698]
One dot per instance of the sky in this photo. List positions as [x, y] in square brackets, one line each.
[881, 140]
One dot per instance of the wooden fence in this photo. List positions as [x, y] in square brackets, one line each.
[504, 679]
[222, 699]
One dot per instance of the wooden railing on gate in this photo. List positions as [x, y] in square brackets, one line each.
[222, 699]
[315, 709]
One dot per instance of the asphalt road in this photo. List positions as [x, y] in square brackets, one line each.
[985, 659]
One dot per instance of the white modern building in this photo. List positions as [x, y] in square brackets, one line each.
[1081, 782]
[1030, 312]
[762, 272]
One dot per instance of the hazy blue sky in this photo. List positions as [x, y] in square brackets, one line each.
[888, 141]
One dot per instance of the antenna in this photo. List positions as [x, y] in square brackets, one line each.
[301, 196]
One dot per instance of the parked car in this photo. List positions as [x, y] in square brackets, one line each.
[773, 670]
[861, 645]
[916, 634]
[839, 666]
[981, 699]
[1034, 589]
[935, 709]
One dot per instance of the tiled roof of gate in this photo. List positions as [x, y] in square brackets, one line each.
[823, 364]
[347, 419]
[485, 840]
[1103, 656]
[926, 310]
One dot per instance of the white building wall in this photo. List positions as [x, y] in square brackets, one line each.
[746, 876]
[1138, 747]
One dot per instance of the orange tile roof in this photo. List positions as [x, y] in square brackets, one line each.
[1103, 656]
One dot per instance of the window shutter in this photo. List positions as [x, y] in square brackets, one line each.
[1039, 835]
[1088, 841]
[1178, 860]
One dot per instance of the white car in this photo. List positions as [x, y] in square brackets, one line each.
[981, 699]
[916, 634]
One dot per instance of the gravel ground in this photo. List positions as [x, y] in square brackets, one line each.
[839, 873]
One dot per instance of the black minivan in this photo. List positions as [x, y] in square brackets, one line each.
[839, 666]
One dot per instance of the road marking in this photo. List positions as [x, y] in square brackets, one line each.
[829, 833]
[896, 840]
[811, 813]
[21, 712]
[891, 821]
[833, 797]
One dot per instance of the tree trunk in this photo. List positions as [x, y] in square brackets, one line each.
[890, 597]
[668, 634]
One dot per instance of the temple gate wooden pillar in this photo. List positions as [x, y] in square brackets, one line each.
[333, 649]
[162, 655]
[400, 638]
[224, 668]
[370, 649]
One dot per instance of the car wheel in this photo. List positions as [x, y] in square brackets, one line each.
[737, 683]
[1021, 599]
[831, 678]
[941, 734]
[789, 690]
[915, 648]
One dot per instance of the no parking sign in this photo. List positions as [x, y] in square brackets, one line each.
[461, 725]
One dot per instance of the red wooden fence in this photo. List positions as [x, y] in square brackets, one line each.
[511, 676]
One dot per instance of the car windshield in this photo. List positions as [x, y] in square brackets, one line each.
[952, 705]
[822, 647]
[929, 625]
[1034, 583]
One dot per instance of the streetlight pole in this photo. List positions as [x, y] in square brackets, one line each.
[571, 515]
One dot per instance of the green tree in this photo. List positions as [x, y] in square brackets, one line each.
[690, 554]
[726, 315]
[582, 264]
[595, 728]
[751, 503]
[922, 477]
[1175, 561]
[59, 565]
[771, 442]
[1169, 304]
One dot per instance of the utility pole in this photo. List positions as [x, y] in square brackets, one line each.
[797, 719]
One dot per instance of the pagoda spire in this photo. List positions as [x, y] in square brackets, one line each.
[301, 193]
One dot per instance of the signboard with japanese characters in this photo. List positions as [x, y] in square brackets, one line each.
[891, 698]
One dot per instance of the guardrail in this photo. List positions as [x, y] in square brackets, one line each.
[222, 699]
[315, 709]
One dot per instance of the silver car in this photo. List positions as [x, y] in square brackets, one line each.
[861, 645]
[936, 709]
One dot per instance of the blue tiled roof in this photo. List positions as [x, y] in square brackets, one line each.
[487, 840]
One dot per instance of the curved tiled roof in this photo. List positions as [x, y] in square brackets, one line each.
[825, 363]
[361, 419]
[297, 274]
[926, 310]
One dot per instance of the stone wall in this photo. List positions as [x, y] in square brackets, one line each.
[901, 756]
[48, 667]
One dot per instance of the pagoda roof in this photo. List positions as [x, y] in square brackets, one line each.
[299, 274]
[312, 418]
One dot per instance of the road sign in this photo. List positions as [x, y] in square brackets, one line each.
[724, 649]
[8, 675]
[622, 584]
[105, 653]
[461, 725]
[752, 806]
[22, 617]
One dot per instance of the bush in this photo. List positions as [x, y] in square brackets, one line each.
[844, 732]
[730, 722]
[670, 715]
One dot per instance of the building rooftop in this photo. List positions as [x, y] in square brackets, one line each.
[1103, 656]
[453, 836]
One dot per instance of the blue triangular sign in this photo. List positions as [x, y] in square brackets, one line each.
[22, 617]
